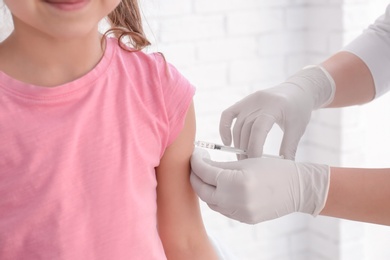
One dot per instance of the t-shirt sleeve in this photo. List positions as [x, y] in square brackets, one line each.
[373, 47]
[177, 93]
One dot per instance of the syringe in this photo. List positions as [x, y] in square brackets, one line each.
[224, 148]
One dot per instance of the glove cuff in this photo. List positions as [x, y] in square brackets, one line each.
[317, 82]
[314, 182]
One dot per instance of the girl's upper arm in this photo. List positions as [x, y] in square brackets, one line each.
[179, 218]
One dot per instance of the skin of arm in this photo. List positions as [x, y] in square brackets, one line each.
[359, 194]
[355, 194]
[353, 79]
[180, 223]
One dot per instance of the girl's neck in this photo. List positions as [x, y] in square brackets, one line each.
[49, 62]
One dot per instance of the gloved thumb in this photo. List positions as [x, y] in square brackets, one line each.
[289, 145]
[210, 171]
[200, 153]
[202, 168]
[232, 165]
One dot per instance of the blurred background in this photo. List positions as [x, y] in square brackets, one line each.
[231, 48]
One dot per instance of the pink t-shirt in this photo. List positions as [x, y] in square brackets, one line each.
[77, 162]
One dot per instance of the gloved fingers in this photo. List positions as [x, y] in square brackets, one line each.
[242, 137]
[226, 166]
[258, 134]
[200, 153]
[242, 124]
[290, 141]
[201, 167]
[226, 212]
[246, 132]
[205, 191]
[225, 124]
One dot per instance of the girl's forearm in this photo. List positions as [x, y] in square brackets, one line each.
[359, 194]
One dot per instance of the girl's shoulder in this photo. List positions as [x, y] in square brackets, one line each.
[151, 66]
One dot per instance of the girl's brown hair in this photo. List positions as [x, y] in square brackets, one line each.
[126, 25]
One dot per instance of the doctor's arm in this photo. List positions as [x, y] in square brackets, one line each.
[354, 84]
[344, 79]
[359, 194]
[260, 189]
[355, 75]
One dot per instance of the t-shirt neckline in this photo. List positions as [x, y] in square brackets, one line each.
[31, 91]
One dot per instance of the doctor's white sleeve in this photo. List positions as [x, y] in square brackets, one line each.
[373, 47]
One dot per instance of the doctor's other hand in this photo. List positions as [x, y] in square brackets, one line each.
[289, 105]
[259, 189]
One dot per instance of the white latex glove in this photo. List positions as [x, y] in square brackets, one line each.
[259, 189]
[289, 105]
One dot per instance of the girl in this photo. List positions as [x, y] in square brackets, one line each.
[95, 139]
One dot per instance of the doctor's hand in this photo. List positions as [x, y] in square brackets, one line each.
[289, 105]
[259, 189]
